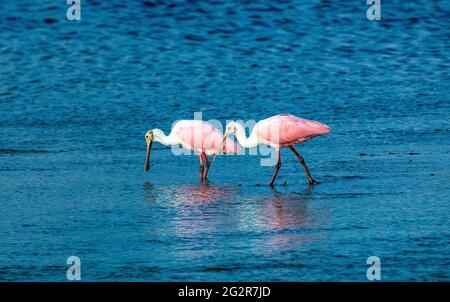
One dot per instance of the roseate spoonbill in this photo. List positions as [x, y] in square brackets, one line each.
[282, 130]
[195, 135]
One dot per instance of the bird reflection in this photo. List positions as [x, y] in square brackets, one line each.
[282, 211]
[189, 194]
[150, 193]
[203, 193]
[287, 214]
[286, 217]
[264, 219]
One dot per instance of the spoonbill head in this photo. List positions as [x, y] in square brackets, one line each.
[149, 139]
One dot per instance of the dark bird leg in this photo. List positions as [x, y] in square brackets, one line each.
[205, 175]
[277, 168]
[302, 161]
[201, 167]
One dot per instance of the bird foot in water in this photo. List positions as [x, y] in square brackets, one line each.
[313, 182]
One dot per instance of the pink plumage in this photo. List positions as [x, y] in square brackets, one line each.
[283, 130]
[200, 136]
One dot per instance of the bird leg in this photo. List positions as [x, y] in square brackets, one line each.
[302, 161]
[201, 167]
[205, 175]
[277, 168]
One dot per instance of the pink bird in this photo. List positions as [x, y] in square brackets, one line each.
[283, 130]
[194, 135]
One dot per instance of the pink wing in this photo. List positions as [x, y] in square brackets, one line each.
[287, 129]
[202, 135]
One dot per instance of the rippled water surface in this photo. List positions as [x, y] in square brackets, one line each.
[76, 99]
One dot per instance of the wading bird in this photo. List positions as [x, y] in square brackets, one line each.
[283, 130]
[194, 135]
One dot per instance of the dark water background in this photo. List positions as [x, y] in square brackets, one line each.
[76, 99]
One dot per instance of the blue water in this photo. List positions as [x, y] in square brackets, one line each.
[76, 99]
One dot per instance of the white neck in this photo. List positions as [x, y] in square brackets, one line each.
[244, 141]
[166, 140]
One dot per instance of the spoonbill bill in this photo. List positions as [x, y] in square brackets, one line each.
[279, 131]
[195, 135]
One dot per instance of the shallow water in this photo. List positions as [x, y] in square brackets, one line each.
[77, 98]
